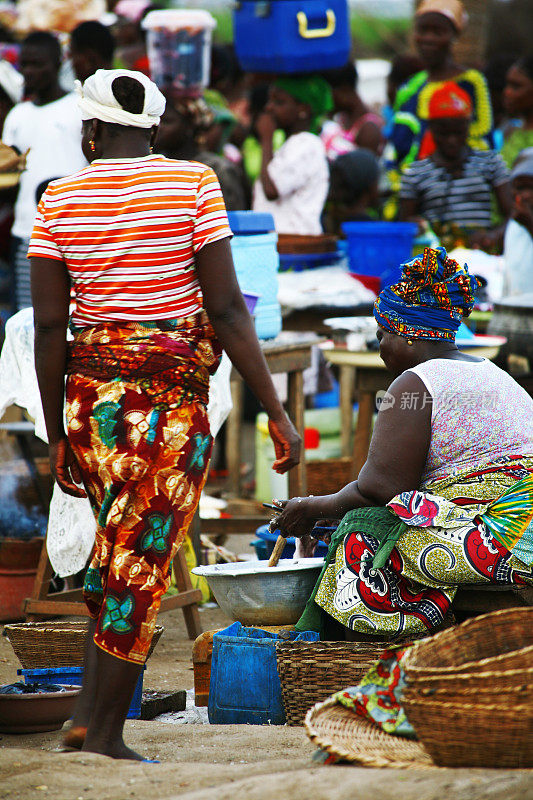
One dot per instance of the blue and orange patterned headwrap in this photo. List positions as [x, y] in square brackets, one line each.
[430, 300]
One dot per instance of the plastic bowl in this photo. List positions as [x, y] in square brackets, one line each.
[251, 300]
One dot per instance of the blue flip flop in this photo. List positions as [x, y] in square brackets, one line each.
[150, 761]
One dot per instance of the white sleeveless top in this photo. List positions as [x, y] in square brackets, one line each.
[479, 414]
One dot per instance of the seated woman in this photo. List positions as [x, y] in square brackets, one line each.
[446, 494]
[452, 189]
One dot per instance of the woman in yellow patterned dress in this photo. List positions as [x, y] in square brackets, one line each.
[446, 495]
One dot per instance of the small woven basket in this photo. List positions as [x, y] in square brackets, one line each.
[329, 475]
[348, 737]
[500, 641]
[39, 645]
[462, 734]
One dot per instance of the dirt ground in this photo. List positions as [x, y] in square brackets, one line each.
[218, 762]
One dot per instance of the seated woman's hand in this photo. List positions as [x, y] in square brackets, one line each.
[296, 518]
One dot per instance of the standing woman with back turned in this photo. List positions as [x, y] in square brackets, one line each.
[144, 242]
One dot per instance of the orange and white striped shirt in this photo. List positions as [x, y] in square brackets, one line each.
[127, 230]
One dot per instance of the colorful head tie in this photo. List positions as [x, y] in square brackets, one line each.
[430, 300]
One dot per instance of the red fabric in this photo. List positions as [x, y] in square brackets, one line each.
[449, 100]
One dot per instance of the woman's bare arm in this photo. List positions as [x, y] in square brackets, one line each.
[50, 288]
[395, 463]
[234, 327]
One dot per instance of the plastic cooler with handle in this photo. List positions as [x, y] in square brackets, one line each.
[179, 49]
[287, 36]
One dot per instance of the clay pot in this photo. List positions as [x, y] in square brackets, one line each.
[18, 567]
[33, 713]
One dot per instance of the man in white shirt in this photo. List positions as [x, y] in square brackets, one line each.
[47, 126]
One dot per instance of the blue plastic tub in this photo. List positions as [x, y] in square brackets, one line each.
[269, 539]
[291, 35]
[297, 262]
[379, 248]
[256, 262]
[244, 685]
[73, 676]
[248, 223]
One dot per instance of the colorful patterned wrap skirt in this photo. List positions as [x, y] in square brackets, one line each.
[137, 423]
[446, 543]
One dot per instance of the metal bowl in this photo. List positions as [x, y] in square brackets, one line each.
[253, 593]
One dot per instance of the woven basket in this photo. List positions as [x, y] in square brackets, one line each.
[39, 645]
[491, 686]
[297, 244]
[329, 475]
[351, 738]
[500, 641]
[311, 671]
[459, 734]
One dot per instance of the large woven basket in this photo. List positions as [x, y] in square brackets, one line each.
[329, 475]
[490, 686]
[39, 645]
[347, 737]
[311, 671]
[500, 641]
[462, 734]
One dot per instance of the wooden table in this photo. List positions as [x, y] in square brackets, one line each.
[289, 352]
[366, 374]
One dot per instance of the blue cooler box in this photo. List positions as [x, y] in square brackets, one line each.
[291, 35]
[73, 676]
[255, 255]
[244, 686]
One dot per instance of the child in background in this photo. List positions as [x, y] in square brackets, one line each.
[518, 241]
[354, 191]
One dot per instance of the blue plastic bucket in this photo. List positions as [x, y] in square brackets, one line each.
[244, 686]
[379, 248]
[297, 262]
[73, 676]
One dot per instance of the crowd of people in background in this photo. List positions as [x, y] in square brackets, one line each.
[449, 150]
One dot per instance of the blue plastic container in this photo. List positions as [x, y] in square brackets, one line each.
[379, 248]
[297, 262]
[256, 262]
[270, 540]
[244, 685]
[291, 35]
[73, 676]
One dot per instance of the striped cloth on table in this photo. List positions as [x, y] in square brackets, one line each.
[445, 198]
[127, 230]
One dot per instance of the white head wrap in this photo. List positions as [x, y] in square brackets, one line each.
[97, 101]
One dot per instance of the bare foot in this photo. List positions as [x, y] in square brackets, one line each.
[116, 749]
[75, 737]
